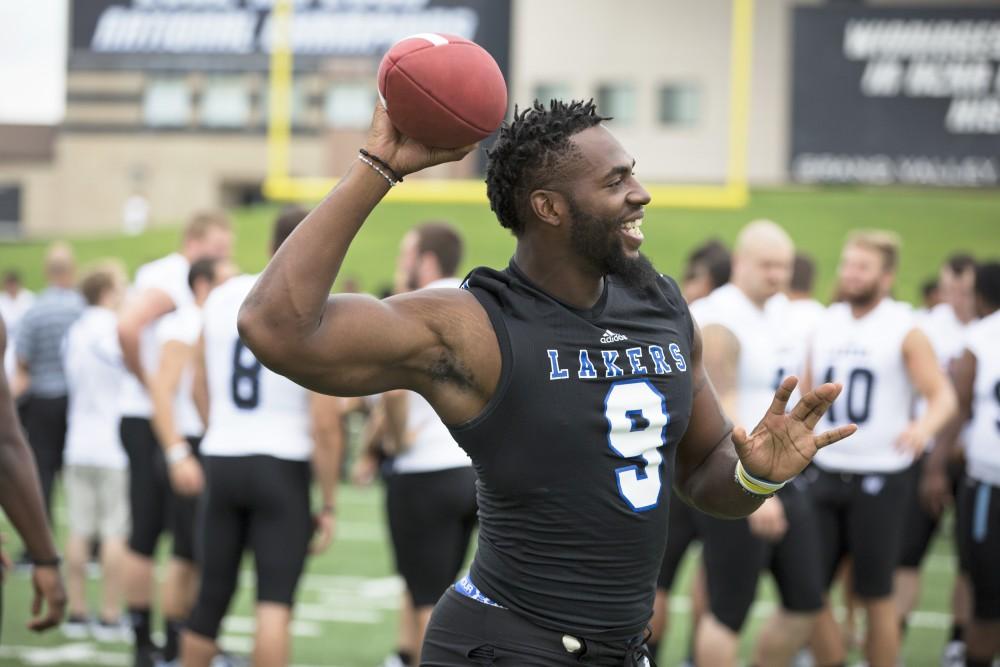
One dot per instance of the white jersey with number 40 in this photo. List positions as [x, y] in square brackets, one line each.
[866, 356]
[983, 436]
[252, 410]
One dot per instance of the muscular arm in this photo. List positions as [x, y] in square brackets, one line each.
[928, 378]
[328, 436]
[721, 356]
[437, 342]
[934, 486]
[706, 456]
[174, 357]
[148, 306]
[20, 492]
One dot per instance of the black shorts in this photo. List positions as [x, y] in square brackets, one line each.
[681, 533]
[734, 557]
[431, 518]
[183, 511]
[858, 514]
[149, 485]
[920, 525]
[464, 632]
[259, 503]
[980, 532]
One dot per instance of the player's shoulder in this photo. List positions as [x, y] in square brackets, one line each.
[236, 288]
[981, 335]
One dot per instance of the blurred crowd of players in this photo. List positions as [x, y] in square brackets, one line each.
[159, 420]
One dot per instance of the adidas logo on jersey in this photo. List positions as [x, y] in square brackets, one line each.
[611, 337]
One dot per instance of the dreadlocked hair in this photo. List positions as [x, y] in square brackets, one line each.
[529, 153]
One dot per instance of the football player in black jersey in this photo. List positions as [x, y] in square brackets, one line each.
[573, 378]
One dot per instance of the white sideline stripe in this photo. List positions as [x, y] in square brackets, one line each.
[87, 654]
[246, 625]
[432, 37]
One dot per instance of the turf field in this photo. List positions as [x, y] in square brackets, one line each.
[346, 615]
[346, 612]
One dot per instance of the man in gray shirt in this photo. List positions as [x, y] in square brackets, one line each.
[40, 373]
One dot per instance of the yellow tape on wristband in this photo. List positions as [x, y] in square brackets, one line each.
[758, 487]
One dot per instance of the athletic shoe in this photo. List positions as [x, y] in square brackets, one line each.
[76, 627]
[111, 632]
[393, 661]
[953, 654]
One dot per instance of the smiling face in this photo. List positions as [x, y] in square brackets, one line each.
[605, 204]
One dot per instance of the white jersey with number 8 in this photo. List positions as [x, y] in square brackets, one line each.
[253, 410]
[866, 356]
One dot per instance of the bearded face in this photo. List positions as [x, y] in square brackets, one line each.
[599, 242]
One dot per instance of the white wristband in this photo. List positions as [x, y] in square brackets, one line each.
[178, 451]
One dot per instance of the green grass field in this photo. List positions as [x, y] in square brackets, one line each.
[347, 606]
[346, 611]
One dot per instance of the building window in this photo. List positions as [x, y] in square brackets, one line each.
[225, 102]
[167, 102]
[679, 104]
[618, 101]
[552, 91]
[349, 105]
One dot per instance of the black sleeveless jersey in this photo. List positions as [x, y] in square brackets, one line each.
[574, 451]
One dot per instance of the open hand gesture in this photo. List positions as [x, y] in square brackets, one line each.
[783, 444]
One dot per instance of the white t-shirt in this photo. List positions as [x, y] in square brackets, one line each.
[761, 350]
[866, 356]
[432, 447]
[169, 274]
[94, 369]
[798, 320]
[982, 451]
[252, 410]
[182, 325]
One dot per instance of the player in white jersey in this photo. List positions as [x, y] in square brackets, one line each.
[160, 287]
[872, 345]
[945, 325]
[262, 431]
[431, 493]
[96, 474]
[744, 354]
[179, 429]
[977, 377]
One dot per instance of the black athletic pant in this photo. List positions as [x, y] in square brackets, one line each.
[45, 423]
[431, 518]
[681, 533]
[734, 557]
[464, 632]
[259, 503]
[149, 485]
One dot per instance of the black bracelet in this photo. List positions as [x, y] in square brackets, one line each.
[55, 561]
[385, 165]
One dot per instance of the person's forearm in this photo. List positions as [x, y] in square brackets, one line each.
[712, 488]
[326, 463]
[395, 403]
[287, 303]
[942, 408]
[164, 426]
[128, 338]
[21, 498]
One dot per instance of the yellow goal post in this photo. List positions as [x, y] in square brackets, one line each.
[733, 192]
